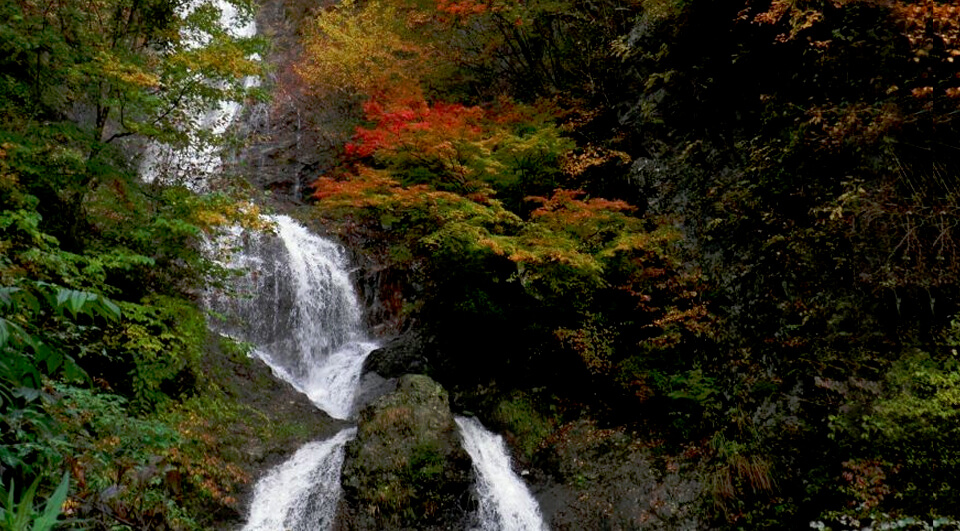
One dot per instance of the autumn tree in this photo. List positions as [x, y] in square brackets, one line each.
[80, 76]
[509, 149]
[369, 48]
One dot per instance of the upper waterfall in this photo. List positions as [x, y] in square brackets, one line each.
[198, 160]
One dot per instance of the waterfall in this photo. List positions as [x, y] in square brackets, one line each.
[296, 304]
[505, 502]
[302, 493]
[195, 163]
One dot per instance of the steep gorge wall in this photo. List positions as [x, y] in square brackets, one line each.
[293, 137]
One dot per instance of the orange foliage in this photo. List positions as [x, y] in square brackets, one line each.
[363, 188]
[450, 145]
[370, 188]
[933, 30]
[929, 26]
[787, 10]
[463, 8]
[407, 121]
[464, 11]
[402, 118]
[576, 163]
[566, 207]
[857, 124]
[366, 184]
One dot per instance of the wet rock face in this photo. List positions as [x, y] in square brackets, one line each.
[291, 140]
[399, 356]
[406, 468]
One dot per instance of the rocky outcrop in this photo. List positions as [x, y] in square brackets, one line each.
[384, 366]
[402, 355]
[289, 141]
[609, 479]
[406, 468]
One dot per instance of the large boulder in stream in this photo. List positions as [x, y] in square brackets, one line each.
[406, 468]
[382, 369]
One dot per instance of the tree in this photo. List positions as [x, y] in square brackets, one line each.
[81, 75]
[507, 149]
[363, 48]
[124, 66]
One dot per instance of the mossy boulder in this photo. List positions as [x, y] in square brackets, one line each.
[406, 468]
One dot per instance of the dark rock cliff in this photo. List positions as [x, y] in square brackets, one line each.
[295, 136]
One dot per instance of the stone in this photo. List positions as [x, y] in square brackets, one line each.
[402, 355]
[406, 468]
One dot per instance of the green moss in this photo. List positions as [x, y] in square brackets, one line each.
[528, 426]
[236, 351]
[406, 468]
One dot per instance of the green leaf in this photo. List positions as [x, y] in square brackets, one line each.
[51, 510]
[105, 308]
[29, 300]
[77, 300]
[54, 361]
[72, 371]
[62, 296]
[6, 296]
[10, 331]
[4, 332]
[25, 506]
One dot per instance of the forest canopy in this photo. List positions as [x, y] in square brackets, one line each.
[722, 234]
[730, 223]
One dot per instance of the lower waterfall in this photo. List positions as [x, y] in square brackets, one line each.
[302, 493]
[295, 303]
[505, 502]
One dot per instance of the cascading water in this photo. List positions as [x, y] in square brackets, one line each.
[298, 307]
[302, 493]
[505, 502]
[296, 304]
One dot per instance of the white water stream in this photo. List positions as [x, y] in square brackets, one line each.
[505, 502]
[297, 305]
[302, 493]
